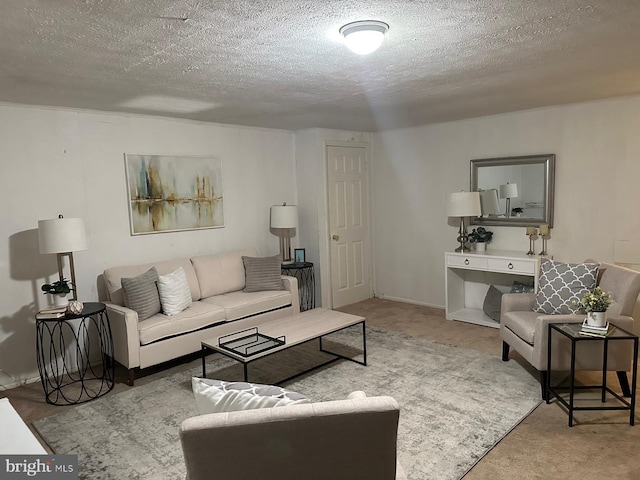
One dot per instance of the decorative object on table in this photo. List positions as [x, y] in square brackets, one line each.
[531, 232]
[51, 313]
[544, 233]
[463, 204]
[75, 307]
[595, 304]
[508, 191]
[59, 291]
[299, 255]
[285, 218]
[169, 194]
[596, 331]
[364, 36]
[62, 236]
[480, 237]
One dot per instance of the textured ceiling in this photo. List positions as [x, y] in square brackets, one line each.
[280, 63]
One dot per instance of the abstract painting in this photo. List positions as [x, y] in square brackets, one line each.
[169, 194]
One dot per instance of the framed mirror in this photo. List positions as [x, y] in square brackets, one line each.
[514, 191]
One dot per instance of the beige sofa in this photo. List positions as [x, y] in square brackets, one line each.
[347, 439]
[219, 306]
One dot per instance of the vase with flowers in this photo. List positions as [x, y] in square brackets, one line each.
[595, 304]
[480, 237]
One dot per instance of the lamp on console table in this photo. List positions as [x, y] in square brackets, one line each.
[285, 218]
[463, 204]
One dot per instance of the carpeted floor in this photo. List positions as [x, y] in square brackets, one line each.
[600, 445]
[455, 405]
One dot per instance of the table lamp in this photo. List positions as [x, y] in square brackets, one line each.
[508, 191]
[463, 204]
[63, 236]
[284, 217]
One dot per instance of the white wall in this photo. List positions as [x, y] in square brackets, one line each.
[72, 162]
[597, 195]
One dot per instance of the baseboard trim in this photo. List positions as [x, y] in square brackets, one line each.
[407, 300]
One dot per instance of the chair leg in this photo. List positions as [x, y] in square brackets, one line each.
[624, 384]
[543, 385]
[132, 376]
[505, 351]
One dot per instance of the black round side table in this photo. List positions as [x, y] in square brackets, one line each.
[75, 355]
[303, 271]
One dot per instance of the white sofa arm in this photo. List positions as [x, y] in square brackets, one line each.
[291, 284]
[126, 337]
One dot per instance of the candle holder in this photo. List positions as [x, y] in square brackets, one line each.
[543, 252]
[531, 243]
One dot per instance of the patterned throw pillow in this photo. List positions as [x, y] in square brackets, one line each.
[175, 294]
[562, 285]
[141, 294]
[262, 273]
[214, 396]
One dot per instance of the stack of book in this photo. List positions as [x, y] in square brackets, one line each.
[51, 313]
[593, 331]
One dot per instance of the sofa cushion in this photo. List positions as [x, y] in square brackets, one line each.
[113, 276]
[262, 273]
[197, 316]
[141, 294]
[175, 294]
[213, 396]
[243, 304]
[222, 273]
[562, 285]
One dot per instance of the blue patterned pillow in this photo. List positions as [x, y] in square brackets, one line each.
[562, 285]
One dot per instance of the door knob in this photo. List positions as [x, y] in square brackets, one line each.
[336, 237]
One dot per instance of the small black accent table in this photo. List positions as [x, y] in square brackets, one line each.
[303, 271]
[572, 332]
[65, 349]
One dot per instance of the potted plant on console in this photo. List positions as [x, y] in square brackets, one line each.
[480, 237]
[59, 289]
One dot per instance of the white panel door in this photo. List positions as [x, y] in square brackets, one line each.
[348, 224]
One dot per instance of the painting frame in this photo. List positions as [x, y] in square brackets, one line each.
[173, 193]
[299, 255]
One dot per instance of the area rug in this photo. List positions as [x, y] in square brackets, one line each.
[456, 404]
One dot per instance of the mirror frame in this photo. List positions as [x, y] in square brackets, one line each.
[549, 162]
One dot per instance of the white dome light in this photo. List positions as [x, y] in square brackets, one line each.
[365, 36]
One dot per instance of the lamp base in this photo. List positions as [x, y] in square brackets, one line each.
[462, 238]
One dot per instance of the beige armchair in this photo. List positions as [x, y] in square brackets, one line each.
[526, 331]
[340, 440]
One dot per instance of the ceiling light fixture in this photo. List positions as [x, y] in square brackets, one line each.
[365, 36]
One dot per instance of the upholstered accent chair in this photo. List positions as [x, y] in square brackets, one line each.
[339, 440]
[526, 330]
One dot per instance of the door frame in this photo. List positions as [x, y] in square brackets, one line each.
[323, 223]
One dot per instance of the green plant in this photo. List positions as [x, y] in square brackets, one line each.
[596, 301]
[480, 235]
[57, 287]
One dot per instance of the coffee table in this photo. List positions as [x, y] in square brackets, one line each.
[292, 330]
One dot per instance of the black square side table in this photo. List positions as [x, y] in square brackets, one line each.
[303, 271]
[572, 332]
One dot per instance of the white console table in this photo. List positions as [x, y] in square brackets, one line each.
[469, 275]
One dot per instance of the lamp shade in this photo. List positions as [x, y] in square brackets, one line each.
[489, 202]
[60, 235]
[508, 190]
[464, 204]
[284, 216]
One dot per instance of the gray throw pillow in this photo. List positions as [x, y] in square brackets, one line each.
[492, 305]
[262, 273]
[562, 285]
[141, 294]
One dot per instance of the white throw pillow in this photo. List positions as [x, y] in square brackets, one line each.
[175, 294]
[213, 396]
